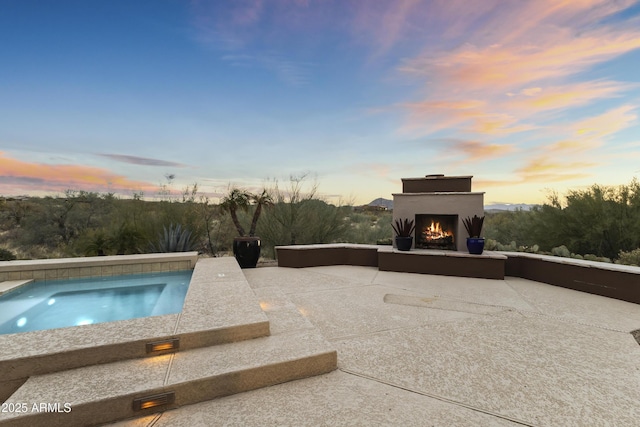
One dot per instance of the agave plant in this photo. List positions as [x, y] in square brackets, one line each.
[174, 239]
[403, 228]
[473, 225]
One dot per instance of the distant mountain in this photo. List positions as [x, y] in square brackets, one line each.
[508, 207]
[386, 203]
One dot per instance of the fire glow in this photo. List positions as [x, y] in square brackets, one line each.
[435, 232]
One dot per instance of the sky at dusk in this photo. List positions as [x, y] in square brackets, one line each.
[114, 96]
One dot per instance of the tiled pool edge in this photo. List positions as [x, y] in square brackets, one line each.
[201, 323]
[71, 268]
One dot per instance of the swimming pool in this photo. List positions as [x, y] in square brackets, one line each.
[63, 303]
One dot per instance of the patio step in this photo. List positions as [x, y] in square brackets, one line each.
[106, 393]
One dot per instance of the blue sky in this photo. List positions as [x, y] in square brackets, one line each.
[113, 96]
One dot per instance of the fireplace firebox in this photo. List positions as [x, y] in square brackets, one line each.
[436, 231]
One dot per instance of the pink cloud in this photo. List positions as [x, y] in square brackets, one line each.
[18, 177]
[513, 70]
[469, 115]
[538, 99]
[476, 150]
[607, 123]
[500, 68]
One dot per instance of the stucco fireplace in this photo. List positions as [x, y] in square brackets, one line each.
[438, 204]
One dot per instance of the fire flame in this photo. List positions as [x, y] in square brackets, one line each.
[435, 232]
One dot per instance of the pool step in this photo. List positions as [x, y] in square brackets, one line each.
[106, 393]
[220, 307]
[9, 285]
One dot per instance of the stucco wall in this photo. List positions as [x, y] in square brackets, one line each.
[407, 205]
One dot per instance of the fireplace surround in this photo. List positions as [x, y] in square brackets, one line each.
[441, 199]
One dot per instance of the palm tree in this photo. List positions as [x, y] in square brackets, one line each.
[237, 199]
[264, 199]
[246, 248]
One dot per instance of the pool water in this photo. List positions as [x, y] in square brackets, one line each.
[63, 303]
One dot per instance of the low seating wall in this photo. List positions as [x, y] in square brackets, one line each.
[609, 280]
[446, 263]
[300, 256]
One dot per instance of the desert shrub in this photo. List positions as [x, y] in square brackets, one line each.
[509, 226]
[368, 228]
[126, 239]
[95, 242]
[300, 216]
[561, 251]
[592, 257]
[600, 220]
[629, 258]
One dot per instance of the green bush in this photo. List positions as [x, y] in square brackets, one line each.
[494, 245]
[6, 255]
[388, 241]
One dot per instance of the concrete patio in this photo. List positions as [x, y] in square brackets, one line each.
[425, 350]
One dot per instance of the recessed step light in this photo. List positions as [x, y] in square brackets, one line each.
[163, 346]
[154, 401]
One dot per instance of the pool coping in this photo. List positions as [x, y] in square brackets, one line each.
[211, 315]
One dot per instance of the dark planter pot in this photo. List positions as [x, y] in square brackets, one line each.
[475, 245]
[404, 243]
[247, 251]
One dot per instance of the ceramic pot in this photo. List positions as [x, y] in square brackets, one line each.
[475, 245]
[247, 251]
[404, 243]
